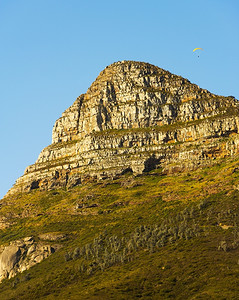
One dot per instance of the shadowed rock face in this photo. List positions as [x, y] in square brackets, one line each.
[135, 116]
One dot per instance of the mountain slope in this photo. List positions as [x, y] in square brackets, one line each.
[180, 237]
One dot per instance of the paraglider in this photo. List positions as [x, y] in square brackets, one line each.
[197, 49]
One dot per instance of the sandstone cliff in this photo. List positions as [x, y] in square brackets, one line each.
[135, 117]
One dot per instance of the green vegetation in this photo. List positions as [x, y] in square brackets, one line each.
[151, 237]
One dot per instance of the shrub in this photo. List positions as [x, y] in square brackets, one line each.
[223, 246]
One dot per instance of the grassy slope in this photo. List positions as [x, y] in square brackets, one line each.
[183, 268]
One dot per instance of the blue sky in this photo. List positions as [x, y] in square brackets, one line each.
[52, 50]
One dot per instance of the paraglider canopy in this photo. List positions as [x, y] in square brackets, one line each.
[197, 49]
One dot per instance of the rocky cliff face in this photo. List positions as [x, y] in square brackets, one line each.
[135, 117]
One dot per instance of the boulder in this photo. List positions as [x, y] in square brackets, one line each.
[8, 259]
[22, 254]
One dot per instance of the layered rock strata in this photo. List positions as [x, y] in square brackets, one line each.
[135, 117]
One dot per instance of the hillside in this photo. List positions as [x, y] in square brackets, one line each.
[175, 236]
[136, 197]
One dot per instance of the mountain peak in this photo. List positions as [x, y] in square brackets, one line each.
[135, 116]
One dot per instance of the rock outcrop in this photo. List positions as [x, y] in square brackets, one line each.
[135, 117]
[21, 255]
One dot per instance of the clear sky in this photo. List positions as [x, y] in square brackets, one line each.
[52, 50]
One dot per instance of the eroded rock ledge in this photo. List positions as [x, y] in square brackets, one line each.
[135, 117]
